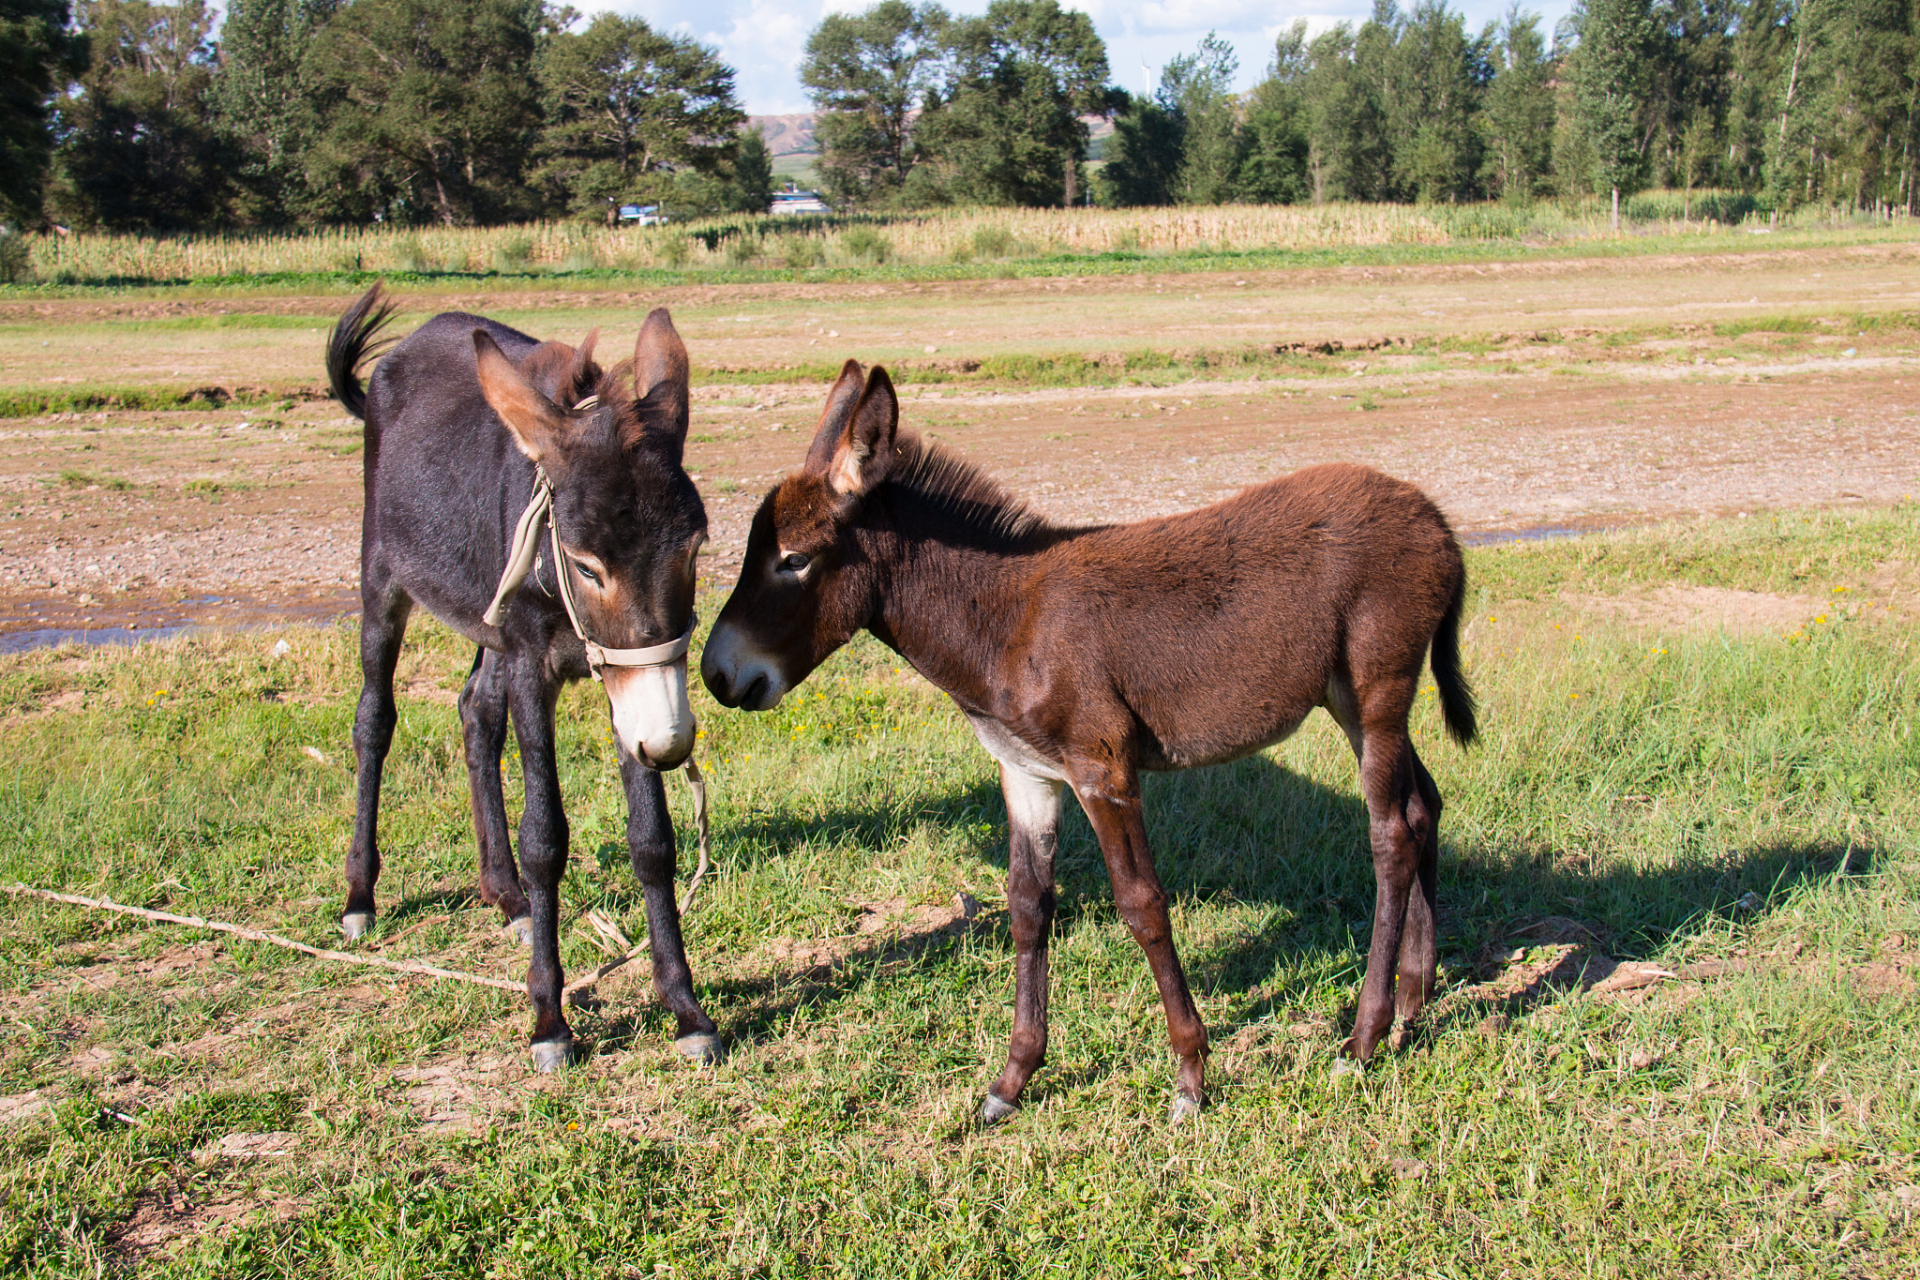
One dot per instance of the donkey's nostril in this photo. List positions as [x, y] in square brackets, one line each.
[752, 695]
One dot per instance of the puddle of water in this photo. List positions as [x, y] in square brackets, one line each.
[1537, 533]
[132, 621]
[47, 637]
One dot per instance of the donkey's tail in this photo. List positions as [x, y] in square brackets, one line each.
[1456, 695]
[355, 339]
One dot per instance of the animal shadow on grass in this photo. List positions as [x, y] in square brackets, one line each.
[1257, 834]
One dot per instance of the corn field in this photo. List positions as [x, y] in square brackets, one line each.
[931, 237]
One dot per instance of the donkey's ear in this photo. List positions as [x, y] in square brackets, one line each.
[661, 378]
[841, 401]
[864, 454]
[535, 422]
[582, 371]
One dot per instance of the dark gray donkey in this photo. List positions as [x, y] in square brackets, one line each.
[537, 505]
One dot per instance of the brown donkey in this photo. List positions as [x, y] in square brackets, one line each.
[1083, 656]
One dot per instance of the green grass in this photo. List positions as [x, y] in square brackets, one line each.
[1476, 238]
[1691, 796]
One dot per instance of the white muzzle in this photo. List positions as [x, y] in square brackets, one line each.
[652, 719]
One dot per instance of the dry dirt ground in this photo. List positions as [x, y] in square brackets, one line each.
[1598, 394]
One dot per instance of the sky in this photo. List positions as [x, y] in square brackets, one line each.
[762, 40]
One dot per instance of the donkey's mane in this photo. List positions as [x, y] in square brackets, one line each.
[955, 488]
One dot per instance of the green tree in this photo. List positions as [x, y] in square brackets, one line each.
[1517, 121]
[1276, 148]
[1341, 120]
[1008, 128]
[429, 109]
[260, 109]
[1142, 156]
[139, 148]
[868, 74]
[753, 173]
[628, 109]
[1182, 145]
[1761, 48]
[1609, 76]
[38, 57]
[1435, 78]
[1848, 128]
[1198, 86]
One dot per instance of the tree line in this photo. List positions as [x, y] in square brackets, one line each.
[1793, 101]
[130, 115]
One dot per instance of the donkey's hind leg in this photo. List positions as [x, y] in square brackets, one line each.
[483, 726]
[1418, 970]
[1400, 831]
[384, 608]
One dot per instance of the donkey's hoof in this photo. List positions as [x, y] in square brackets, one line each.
[550, 1056]
[520, 929]
[700, 1047]
[994, 1110]
[356, 923]
[1184, 1109]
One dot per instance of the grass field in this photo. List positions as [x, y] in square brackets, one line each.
[935, 244]
[1740, 809]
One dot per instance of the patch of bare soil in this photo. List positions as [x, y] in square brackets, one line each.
[884, 932]
[171, 1214]
[1705, 610]
[151, 520]
[467, 1093]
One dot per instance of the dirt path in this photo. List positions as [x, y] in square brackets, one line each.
[158, 519]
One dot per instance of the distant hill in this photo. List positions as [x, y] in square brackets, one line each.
[787, 135]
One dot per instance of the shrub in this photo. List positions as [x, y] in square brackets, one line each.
[994, 242]
[864, 244]
[513, 253]
[408, 255]
[801, 252]
[16, 257]
[742, 249]
[674, 249]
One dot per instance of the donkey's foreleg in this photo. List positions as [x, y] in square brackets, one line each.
[383, 625]
[1114, 812]
[1033, 826]
[543, 854]
[1387, 780]
[483, 727]
[650, 845]
[1418, 969]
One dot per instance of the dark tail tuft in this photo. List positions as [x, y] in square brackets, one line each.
[1456, 695]
[355, 339]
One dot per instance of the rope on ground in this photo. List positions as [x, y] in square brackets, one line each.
[257, 935]
[608, 930]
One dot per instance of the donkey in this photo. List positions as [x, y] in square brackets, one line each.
[1085, 655]
[466, 421]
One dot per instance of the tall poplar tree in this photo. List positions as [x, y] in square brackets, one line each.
[1609, 74]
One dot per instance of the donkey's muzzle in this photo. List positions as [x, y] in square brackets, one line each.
[652, 718]
[736, 674]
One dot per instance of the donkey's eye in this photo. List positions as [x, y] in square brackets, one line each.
[587, 573]
[795, 561]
